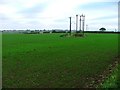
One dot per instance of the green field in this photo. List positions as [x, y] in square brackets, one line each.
[48, 60]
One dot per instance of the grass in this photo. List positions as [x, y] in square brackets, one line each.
[48, 60]
[112, 81]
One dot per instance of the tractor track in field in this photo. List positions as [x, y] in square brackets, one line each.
[99, 79]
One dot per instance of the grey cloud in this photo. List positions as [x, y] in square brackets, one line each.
[3, 17]
[106, 17]
[62, 20]
[98, 5]
[31, 12]
[2, 2]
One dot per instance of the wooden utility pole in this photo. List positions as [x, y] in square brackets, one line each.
[70, 25]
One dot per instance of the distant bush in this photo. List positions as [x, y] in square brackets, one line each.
[55, 31]
[31, 32]
[34, 32]
[78, 31]
[46, 32]
[64, 35]
[78, 35]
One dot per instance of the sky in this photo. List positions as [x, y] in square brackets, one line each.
[54, 14]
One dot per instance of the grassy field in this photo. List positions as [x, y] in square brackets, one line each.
[48, 60]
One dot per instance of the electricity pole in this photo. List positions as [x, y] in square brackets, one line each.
[80, 23]
[86, 27]
[83, 22]
[76, 23]
[70, 25]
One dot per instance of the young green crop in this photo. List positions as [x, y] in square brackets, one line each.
[48, 60]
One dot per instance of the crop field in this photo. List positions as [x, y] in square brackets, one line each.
[51, 61]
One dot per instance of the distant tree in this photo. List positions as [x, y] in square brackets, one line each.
[53, 31]
[44, 30]
[102, 29]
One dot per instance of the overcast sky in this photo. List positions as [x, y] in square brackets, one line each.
[53, 14]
